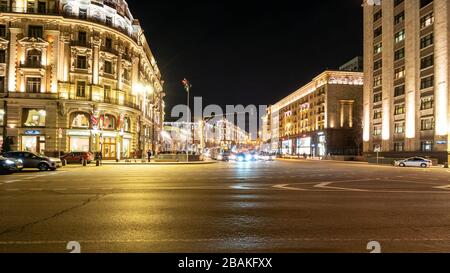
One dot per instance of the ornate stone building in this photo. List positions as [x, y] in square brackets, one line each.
[78, 75]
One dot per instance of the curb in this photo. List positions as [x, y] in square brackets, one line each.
[157, 163]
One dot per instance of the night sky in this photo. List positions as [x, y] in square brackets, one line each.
[247, 51]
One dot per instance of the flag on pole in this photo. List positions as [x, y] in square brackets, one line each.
[186, 84]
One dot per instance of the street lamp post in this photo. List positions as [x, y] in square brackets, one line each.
[187, 86]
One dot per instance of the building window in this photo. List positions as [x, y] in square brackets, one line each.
[427, 20]
[107, 92]
[427, 41]
[427, 124]
[399, 109]
[378, 64]
[377, 16]
[34, 117]
[109, 21]
[81, 62]
[3, 31]
[34, 57]
[2, 84]
[108, 67]
[399, 18]
[399, 54]
[399, 73]
[109, 122]
[2, 56]
[2, 116]
[35, 31]
[399, 128]
[82, 38]
[424, 3]
[126, 74]
[378, 48]
[378, 81]
[426, 146]
[378, 97]
[377, 114]
[81, 89]
[377, 130]
[83, 13]
[427, 82]
[399, 91]
[427, 62]
[377, 32]
[427, 103]
[399, 146]
[400, 36]
[108, 43]
[42, 7]
[398, 2]
[126, 125]
[80, 120]
[33, 85]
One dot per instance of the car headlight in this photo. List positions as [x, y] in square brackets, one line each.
[233, 157]
[220, 157]
[20, 160]
[248, 157]
[9, 162]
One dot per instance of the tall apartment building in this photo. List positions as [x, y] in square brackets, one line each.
[323, 117]
[406, 95]
[78, 75]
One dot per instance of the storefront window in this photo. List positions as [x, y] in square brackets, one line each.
[80, 120]
[34, 118]
[304, 146]
[79, 144]
[109, 122]
[33, 144]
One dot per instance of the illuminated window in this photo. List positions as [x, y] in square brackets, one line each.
[399, 109]
[399, 73]
[426, 146]
[377, 114]
[80, 120]
[427, 124]
[378, 81]
[400, 36]
[378, 48]
[377, 130]
[109, 122]
[427, 103]
[399, 128]
[34, 117]
[399, 146]
[427, 20]
[2, 115]
[81, 89]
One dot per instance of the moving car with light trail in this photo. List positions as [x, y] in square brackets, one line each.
[35, 161]
[10, 165]
[414, 162]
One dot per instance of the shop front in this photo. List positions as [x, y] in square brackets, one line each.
[304, 146]
[79, 140]
[33, 141]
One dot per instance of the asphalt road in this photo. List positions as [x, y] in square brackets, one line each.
[227, 207]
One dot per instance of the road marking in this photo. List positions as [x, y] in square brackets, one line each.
[326, 186]
[285, 187]
[446, 187]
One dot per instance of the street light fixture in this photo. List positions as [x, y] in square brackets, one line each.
[187, 86]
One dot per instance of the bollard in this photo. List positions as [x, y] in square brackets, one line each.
[446, 165]
[63, 162]
[97, 163]
[84, 162]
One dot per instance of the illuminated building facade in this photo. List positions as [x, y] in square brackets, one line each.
[200, 135]
[406, 100]
[78, 75]
[321, 118]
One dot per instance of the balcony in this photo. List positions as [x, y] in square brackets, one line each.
[110, 50]
[32, 65]
[26, 95]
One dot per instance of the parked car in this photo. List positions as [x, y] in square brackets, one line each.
[78, 157]
[35, 161]
[414, 162]
[10, 165]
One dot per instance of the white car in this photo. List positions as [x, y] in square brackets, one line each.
[414, 162]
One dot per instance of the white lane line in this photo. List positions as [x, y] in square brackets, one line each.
[286, 187]
[445, 187]
[327, 186]
[12, 181]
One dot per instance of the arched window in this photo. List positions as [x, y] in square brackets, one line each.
[80, 120]
[109, 122]
[34, 57]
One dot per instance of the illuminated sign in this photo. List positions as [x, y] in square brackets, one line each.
[32, 132]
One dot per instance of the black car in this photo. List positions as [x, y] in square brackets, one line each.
[35, 161]
[10, 165]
